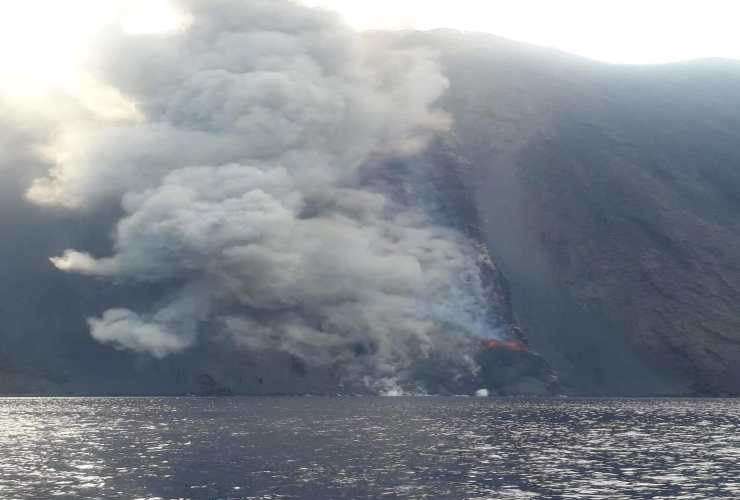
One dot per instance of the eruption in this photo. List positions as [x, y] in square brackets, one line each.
[505, 345]
[248, 197]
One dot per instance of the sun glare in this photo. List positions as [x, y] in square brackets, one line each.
[44, 43]
[143, 17]
[625, 31]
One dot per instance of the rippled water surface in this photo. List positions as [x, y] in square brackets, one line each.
[326, 448]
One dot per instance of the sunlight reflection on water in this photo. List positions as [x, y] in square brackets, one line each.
[368, 448]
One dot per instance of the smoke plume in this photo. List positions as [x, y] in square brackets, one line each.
[244, 187]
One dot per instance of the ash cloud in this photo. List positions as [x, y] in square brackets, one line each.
[244, 191]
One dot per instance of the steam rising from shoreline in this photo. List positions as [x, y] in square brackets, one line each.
[243, 194]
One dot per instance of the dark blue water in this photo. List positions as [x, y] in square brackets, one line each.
[326, 448]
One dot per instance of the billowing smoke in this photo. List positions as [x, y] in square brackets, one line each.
[245, 195]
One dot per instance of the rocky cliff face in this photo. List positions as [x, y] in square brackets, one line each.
[607, 198]
[610, 199]
[46, 348]
[439, 180]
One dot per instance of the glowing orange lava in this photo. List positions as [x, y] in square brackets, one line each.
[507, 345]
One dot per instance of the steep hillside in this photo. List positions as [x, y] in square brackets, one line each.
[610, 197]
[46, 348]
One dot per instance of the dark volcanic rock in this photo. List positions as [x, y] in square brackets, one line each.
[610, 199]
[49, 350]
[515, 373]
[439, 181]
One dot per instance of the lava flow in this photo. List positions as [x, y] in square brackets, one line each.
[507, 345]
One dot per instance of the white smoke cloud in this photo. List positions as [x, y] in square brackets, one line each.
[241, 187]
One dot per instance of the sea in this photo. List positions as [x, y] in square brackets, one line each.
[327, 448]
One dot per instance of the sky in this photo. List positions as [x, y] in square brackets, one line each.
[275, 215]
[253, 200]
[50, 47]
[619, 31]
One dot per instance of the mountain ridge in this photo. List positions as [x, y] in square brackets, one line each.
[608, 197]
[624, 191]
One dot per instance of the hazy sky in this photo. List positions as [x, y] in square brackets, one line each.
[49, 46]
[625, 31]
